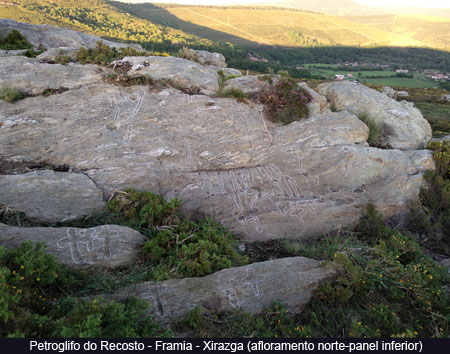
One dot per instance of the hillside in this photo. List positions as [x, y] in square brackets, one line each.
[280, 39]
[432, 30]
[94, 17]
[268, 26]
[353, 8]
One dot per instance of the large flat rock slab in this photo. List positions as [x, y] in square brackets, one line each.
[219, 156]
[55, 37]
[51, 197]
[32, 76]
[106, 246]
[251, 288]
[403, 126]
[179, 72]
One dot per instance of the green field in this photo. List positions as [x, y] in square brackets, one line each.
[365, 76]
[401, 82]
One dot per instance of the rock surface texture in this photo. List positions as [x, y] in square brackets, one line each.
[55, 37]
[218, 155]
[32, 76]
[251, 85]
[207, 58]
[107, 246]
[181, 73]
[403, 126]
[51, 197]
[251, 288]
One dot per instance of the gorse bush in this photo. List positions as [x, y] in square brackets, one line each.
[177, 247]
[14, 40]
[285, 101]
[387, 287]
[192, 249]
[432, 217]
[102, 54]
[274, 322]
[144, 211]
[390, 288]
[101, 318]
[29, 277]
[33, 302]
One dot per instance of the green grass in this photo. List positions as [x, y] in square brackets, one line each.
[10, 94]
[438, 115]
[402, 82]
[374, 127]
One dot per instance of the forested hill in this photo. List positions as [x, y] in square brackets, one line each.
[95, 17]
[256, 25]
[281, 39]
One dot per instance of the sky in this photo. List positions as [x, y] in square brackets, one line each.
[378, 3]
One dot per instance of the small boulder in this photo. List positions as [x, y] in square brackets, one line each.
[251, 85]
[207, 58]
[389, 91]
[32, 76]
[318, 105]
[403, 126]
[106, 246]
[181, 73]
[55, 37]
[252, 288]
[51, 197]
[53, 54]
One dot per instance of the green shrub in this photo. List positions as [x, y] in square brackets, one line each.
[144, 211]
[274, 322]
[233, 92]
[432, 217]
[374, 128]
[390, 288]
[33, 302]
[15, 40]
[285, 101]
[10, 94]
[74, 318]
[192, 249]
[61, 58]
[28, 278]
[31, 53]
[102, 54]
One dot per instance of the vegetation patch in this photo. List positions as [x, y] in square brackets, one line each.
[438, 115]
[11, 94]
[389, 288]
[188, 54]
[34, 302]
[374, 128]
[14, 40]
[102, 54]
[53, 91]
[285, 101]
[177, 247]
[431, 219]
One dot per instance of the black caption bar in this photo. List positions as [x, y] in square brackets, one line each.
[188, 345]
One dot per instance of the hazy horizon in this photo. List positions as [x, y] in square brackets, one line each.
[371, 3]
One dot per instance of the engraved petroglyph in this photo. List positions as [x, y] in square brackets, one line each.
[230, 293]
[84, 242]
[122, 104]
[155, 290]
[254, 281]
